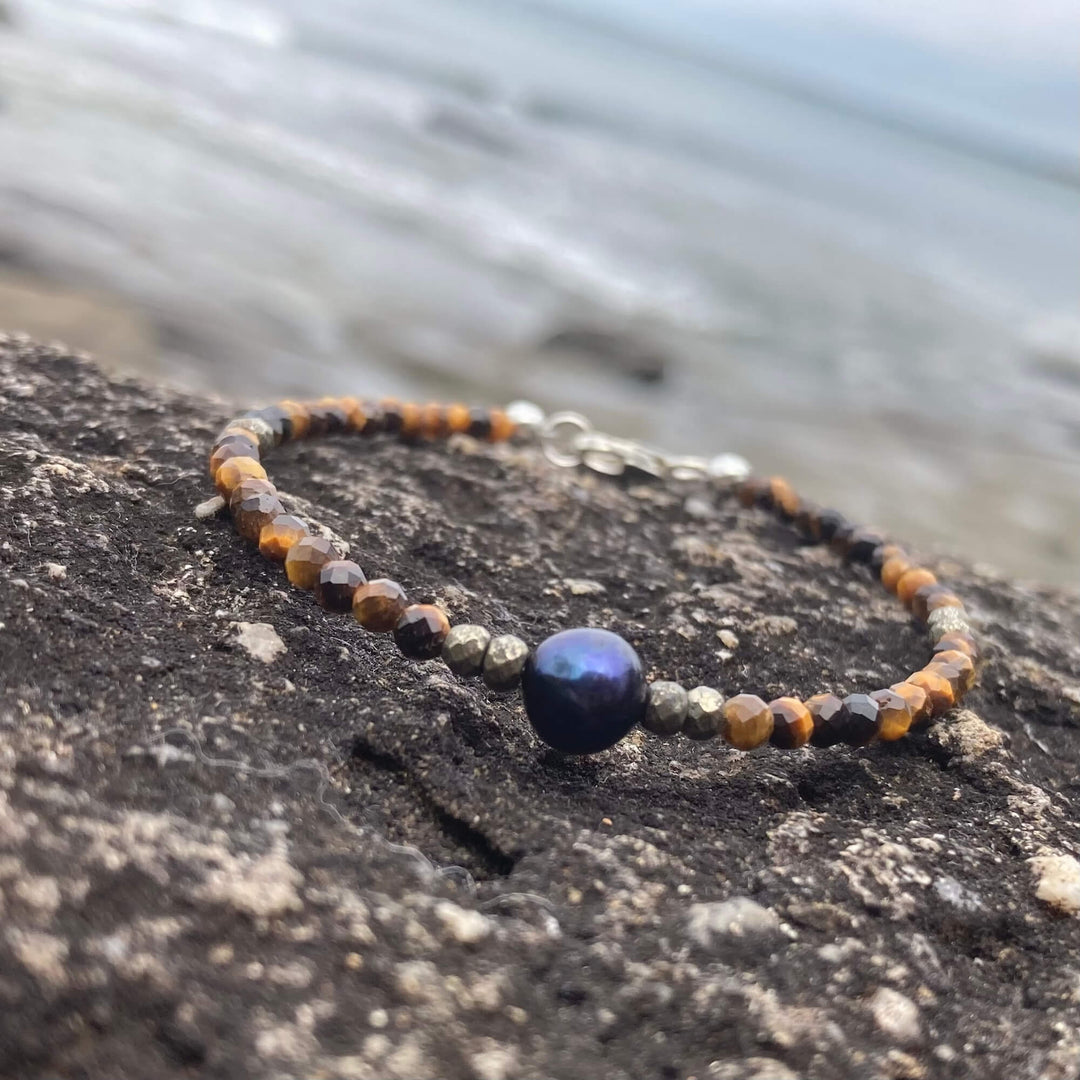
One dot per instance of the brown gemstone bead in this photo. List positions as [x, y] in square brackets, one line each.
[808, 521]
[421, 631]
[861, 719]
[337, 583]
[457, 418]
[236, 469]
[895, 713]
[750, 491]
[348, 406]
[433, 423]
[378, 605]
[360, 415]
[826, 711]
[882, 554]
[938, 689]
[254, 511]
[964, 643]
[957, 667]
[748, 721]
[230, 447]
[300, 417]
[892, 570]
[306, 558]
[783, 498]
[911, 582]
[929, 598]
[479, 424]
[327, 417]
[792, 723]
[918, 701]
[841, 538]
[502, 427]
[862, 545]
[252, 486]
[280, 535]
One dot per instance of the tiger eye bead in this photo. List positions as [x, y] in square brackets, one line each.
[882, 554]
[929, 598]
[255, 511]
[251, 486]
[337, 583]
[457, 419]
[892, 570]
[807, 521]
[748, 721]
[895, 714]
[479, 424]
[279, 535]
[964, 643]
[783, 498]
[378, 605]
[327, 417]
[957, 667]
[938, 689]
[502, 427]
[918, 702]
[827, 713]
[421, 631]
[792, 723]
[299, 417]
[231, 446]
[841, 538]
[306, 558]
[433, 423]
[863, 544]
[233, 471]
[752, 491]
[911, 582]
[862, 719]
[829, 523]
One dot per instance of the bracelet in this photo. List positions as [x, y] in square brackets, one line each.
[584, 689]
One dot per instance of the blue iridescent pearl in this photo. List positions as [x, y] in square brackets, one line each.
[584, 689]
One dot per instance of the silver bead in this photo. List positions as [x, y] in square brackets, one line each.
[728, 468]
[464, 649]
[263, 432]
[704, 713]
[504, 661]
[528, 416]
[665, 710]
[947, 620]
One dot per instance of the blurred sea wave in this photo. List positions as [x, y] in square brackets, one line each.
[851, 254]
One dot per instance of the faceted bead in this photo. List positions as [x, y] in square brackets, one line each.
[464, 648]
[912, 581]
[504, 661]
[829, 523]
[584, 689]
[234, 470]
[704, 713]
[862, 545]
[358, 416]
[947, 620]
[229, 447]
[479, 424]
[457, 418]
[918, 701]
[862, 719]
[421, 631]
[783, 498]
[748, 721]
[374, 419]
[895, 714]
[306, 558]
[957, 667]
[278, 537]
[929, 598]
[882, 554]
[259, 429]
[252, 486]
[665, 710]
[827, 712]
[964, 643]
[433, 423]
[254, 511]
[893, 570]
[279, 420]
[338, 580]
[401, 417]
[327, 417]
[378, 605]
[938, 689]
[299, 416]
[841, 539]
[792, 723]
[502, 427]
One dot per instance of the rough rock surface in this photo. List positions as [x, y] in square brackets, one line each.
[227, 860]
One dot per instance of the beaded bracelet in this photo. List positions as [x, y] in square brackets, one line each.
[584, 689]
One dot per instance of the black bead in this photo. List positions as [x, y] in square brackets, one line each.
[828, 523]
[336, 583]
[879, 557]
[863, 544]
[841, 538]
[421, 631]
[479, 424]
[327, 418]
[375, 422]
[829, 722]
[862, 719]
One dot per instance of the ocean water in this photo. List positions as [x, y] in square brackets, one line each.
[848, 249]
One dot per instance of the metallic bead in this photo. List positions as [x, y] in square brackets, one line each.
[945, 620]
[665, 711]
[504, 661]
[464, 649]
[263, 432]
[528, 416]
[704, 713]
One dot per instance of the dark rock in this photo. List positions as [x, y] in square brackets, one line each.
[199, 857]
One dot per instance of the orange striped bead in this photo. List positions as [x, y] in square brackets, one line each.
[792, 723]
[235, 470]
[917, 699]
[458, 418]
[892, 570]
[957, 667]
[433, 423]
[783, 496]
[502, 427]
[895, 713]
[300, 417]
[748, 721]
[938, 689]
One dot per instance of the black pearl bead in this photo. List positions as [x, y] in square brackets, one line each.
[584, 689]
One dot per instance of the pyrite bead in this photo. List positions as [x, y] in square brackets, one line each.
[279, 535]
[336, 584]
[748, 721]
[665, 710]
[255, 511]
[504, 662]
[946, 620]
[421, 631]
[464, 648]
[379, 604]
[260, 429]
[306, 558]
[862, 719]
[233, 471]
[827, 712]
[792, 723]
[895, 714]
[929, 598]
[704, 713]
